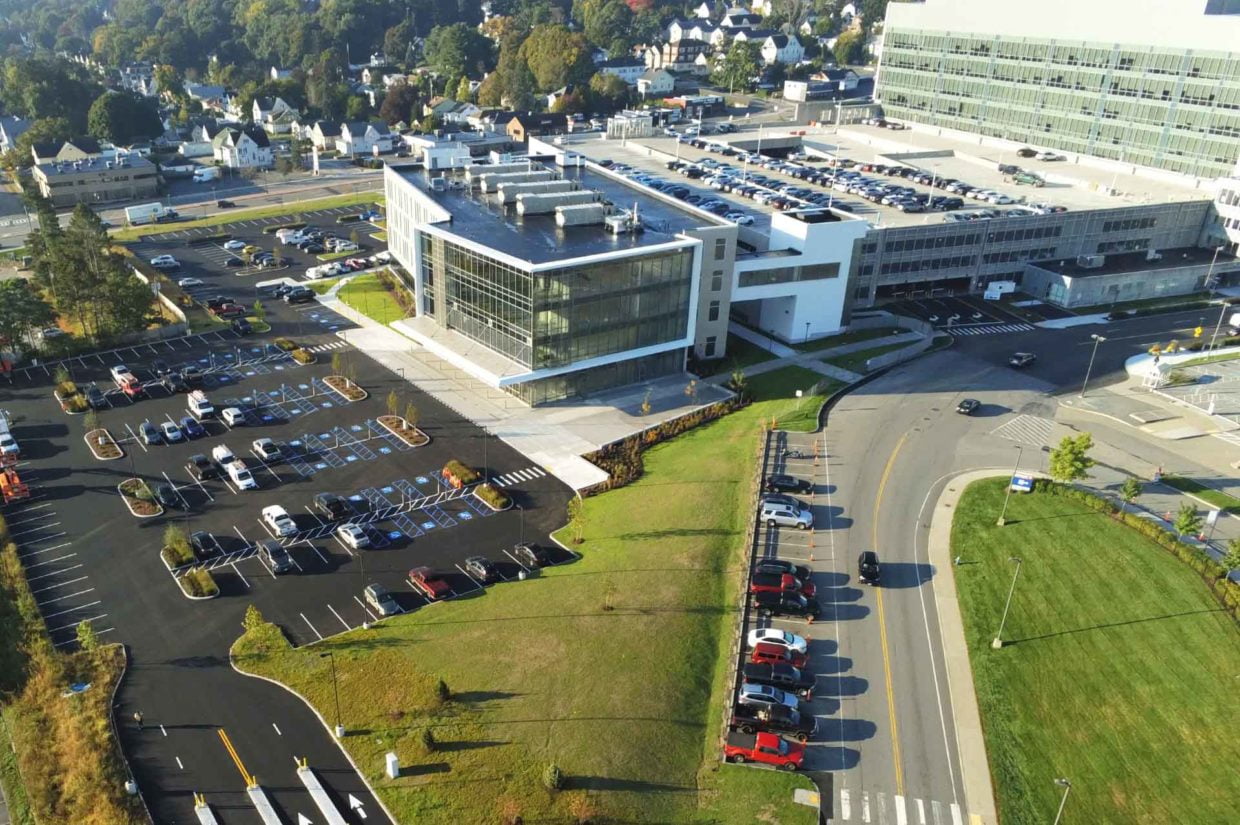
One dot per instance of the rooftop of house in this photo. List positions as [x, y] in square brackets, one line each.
[480, 218]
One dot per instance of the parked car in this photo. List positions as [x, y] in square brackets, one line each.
[868, 569]
[764, 748]
[149, 433]
[234, 244]
[95, 398]
[428, 584]
[530, 555]
[186, 283]
[332, 506]
[191, 427]
[782, 483]
[773, 719]
[229, 311]
[171, 432]
[381, 599]
[201, 468]
[166, 495]
[233, 262]
[241, 475]
[174, 383]
[278, 519]
[192, 376]
[266, 449]
[242, 327]
[763, 696]
[785, 604]
[233, 416]
[801, 571]
[353, 535]
[766, 653]
[771, 635]
[773, 583]
[1019, 360]
[784, 677]
[224, 204]
[275, 556]
[204, 544]
[300, 295]
[481, 569]
[781, 515]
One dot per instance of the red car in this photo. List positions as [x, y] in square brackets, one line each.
[765, 653]
[766, 748]
[230, 311]
[355, 263]
[428, 584]
[780, 583]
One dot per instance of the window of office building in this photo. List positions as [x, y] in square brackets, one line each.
[721, 248]
[712, 313]
[711, 342]
[716, 280]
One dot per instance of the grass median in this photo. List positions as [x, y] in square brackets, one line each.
[780, 387]
[1213, 497]
[1118, 672]
[612, 667]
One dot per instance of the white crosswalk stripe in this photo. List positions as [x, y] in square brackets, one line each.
[526, 474]
[325, 347]
[884, 809]
[1026, 429]
[989, 329]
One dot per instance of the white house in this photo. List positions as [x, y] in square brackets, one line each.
[741, 19]
[360, 138]
[323, 134]
[277, 73]
[678, 29]
[848, 11]
[782, 48]
[703, 30]
[752, 35]
[627, 69]
[273, 114]
[762, 7]
[656, 82]
[373, 75]
[703, 12]
[242, 148]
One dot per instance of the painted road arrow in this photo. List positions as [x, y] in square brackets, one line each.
[355, 804]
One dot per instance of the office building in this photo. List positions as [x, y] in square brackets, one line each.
[96, 180]
[1144, 82]
[551, 280]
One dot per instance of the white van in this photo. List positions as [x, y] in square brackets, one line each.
[289, 236]
[223, 456]
[8, 444]
[199, 406]
[241, 475]
[278, 519]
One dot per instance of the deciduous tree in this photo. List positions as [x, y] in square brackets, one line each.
[1070, 460]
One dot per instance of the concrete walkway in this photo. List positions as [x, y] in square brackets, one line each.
[812, 360]
[979, 795]
[760, 340]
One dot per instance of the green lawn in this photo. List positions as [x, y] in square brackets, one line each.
[1216, 498]
[848, 338]
[1120, 672]
[1209, 359]
[323, 285]
[368, 295]
[740, 354]
[780, 387]
[225, 216]
[332, 256]
[855, 361]
[626, 700]
[380, 236]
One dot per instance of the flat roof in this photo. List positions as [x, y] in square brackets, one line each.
[1133, 262]
[536, 238]
[99, 164]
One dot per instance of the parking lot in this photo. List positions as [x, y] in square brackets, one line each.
[961, 315]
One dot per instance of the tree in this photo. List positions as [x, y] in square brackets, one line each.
[458, 50]
[122, 116]
[609, 91]
[357, 108]
[393, 402]
[396, 41]
[1070, 461]
[253, 619]
[606, 23]
[1231, 559]
[577, 518]
[1130, 489]
[400, 103]
[43, 130]
[463, 92]
[411, 414]
[22, 310]
[849, 48]
[556, 57]
[260, 311]
[86, 637]
[1187, 520]
[739, 65]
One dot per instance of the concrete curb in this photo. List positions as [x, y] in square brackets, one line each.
[970, 741]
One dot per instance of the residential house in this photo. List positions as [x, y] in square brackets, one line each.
[390, 80]
[677, 56]
[703, 30]
[451, 111]
[741, 19]
[11, 128]
[782, 48]
[245, 148]
[533, 124]
[498, 120]
[752, 35]
[67, 151]
[280, 74]
[323, 134]
[559, 94]
[678, 28]
[627, 69]
[656, 83]
[848, 11]
[373, 75]
[361, 138]
[720, 37]
[210, 96]
[808, 24]
[843, 79]
[762, 7]
[703, 12]
[273, 114]
[95, 180]
[138, 78]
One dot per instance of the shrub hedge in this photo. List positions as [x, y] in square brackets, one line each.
[303, 357]
[1212, 573]
[622, 460]
[199, 582]
[460, 471]
[493, 496]
[285, 344]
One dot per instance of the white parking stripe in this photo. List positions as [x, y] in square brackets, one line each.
[347, 626]
[369, 613]
[845, 805]
[901, 813]
[921, 812]
[957, 819]
[70, 596]
[307, 621]
[73, 640]
[61, 584]
[50, 561]
[53, 573]
[865, 807]
[72, 609]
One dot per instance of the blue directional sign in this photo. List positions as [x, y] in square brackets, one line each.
[1022, 483]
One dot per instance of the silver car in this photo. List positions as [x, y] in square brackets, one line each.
[381, 599]
[782, 514]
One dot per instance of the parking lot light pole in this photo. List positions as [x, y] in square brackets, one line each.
[1223, 305]
[1008, 496]
[998, 640]
[1067, 786]
[1098, 339]
[336, 690]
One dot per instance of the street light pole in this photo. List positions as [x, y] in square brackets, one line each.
[1002, 515]
[336, 690]
[1098, 339]
[1067, 786]
[998, 640]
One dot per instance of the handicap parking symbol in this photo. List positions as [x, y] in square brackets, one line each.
[428, 525]
[295, 411]
[279, 367]
[326, 404]
[350, 458]
[385, 450]
[465, 516]
[386, 490]
[250, 372]
[303, 386]
[294, 443]
[268, 418]
[320, 465]
[357, 428]
[422, 479]
[395, 534]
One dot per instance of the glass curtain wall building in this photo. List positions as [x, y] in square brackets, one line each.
[1149, 83]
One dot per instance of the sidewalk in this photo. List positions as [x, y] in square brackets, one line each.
[809, 360]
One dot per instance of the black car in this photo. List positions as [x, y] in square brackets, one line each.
[95, 398]
[968, 406]
[332, 506]
[192, 376]
[275, 556]
[801, 571]
[784, 677]
[785, 604]
[314, 248]
[204, 544]
[166, 494]
[201, 468]
[530, 556]
[868, 568]
[234, 262]
[299, 295]
[1020, 360]
[774, 719]
[174, 382]
[242, 327]
[480, 568]
[224, 204]
[786, 484]
[160, 367]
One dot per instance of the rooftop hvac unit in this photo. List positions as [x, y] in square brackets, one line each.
[1090, 261]
[474, 173]
[582, 214]
[622, 224]
[509, 192]
[531, 204]
[491, 183]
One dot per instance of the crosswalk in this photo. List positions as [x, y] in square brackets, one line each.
[327, 346]
[1026, 429]
[528, 474]
[892, 809]
[988, 329]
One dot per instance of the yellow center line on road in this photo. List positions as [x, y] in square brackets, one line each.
[882, 625]
[250, 779]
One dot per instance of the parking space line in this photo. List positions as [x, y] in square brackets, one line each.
[347, 626]
[307, 621]
[35, 530]
[478, 584]
[49, 561]
[372, 616]
[204, 489]
[73, 640]
[237, 570]
[514, 558]
[53, 573]
[70, 596]
[316, 550]
[61, 584]
[72, 609]
[134, 436]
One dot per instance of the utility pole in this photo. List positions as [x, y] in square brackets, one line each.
[1098, 339]
[998, 640]
[1007, 497]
